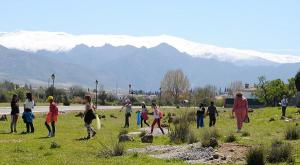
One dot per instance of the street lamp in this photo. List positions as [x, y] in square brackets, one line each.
[96, 93]
[53, 78]
[159, 96]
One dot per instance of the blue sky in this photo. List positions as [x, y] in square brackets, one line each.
[267, 25]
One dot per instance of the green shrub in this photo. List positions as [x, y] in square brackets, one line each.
[192, 138]
[117, 149]
[255, 156]
[279, 152]
[123, 132]
[54, 145]
[209, 137]
[292, 133]
[245, 133]
[230, 138]
[182, 131]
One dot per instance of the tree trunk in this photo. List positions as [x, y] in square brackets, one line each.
[298, 99]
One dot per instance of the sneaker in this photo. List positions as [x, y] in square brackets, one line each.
[50, 134]
[238, 131]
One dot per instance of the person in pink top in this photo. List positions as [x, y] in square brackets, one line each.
[240, 109]
[157, 117]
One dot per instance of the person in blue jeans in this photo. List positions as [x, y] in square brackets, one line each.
[200, 116]
[28, 120]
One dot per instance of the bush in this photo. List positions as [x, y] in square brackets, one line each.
[182, 131]
[230, 138]
[279, 152]
[255, 156]
[192, 138]
[54, 145]
[123, 132]
[292, 133]
[117, 149]
[244, 134]
[209, 138]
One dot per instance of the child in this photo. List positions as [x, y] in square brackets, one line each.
[200, 116]
[28, 120]
[144, 116]
[29, 103]
[14, 113]
[128, 111]
[51, 116]
[157, 116]
[89, 116]
[212, 113]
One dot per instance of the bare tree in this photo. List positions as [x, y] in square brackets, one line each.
[175, 83]
[235, 87]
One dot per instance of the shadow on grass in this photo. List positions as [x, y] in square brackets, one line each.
[82, 139]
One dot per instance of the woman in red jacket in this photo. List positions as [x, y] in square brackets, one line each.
[240, 108]
[52, 116]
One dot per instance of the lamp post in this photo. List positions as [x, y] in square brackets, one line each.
[53, 78]
[130, 90]
[96, 93]
[159, 96]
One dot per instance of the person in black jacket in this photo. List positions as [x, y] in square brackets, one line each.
[212, 113]
[14, 113]
[200, 116]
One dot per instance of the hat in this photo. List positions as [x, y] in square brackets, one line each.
[50, 98]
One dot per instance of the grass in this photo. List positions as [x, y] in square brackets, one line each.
[255, 156]
[279, 152]
[35, 148]
[292, 133]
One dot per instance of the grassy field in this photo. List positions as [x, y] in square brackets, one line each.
[35, 148]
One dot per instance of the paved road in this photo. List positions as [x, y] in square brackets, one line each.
[6, 110]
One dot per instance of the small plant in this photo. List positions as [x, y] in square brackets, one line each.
[230, 138]
[54, 145]
[255, 156]
[192, 138]
[209, 138]
[292, 133]
[123, 132]
[279, 152]
[245, 134]
[143, 133]
[117, 149]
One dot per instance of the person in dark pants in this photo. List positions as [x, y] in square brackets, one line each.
[144, 116]
[284, 104]
[28, 120]
[89, 116]
[212, 113]
[14, 113]
[200, 116]
[128, 111]
[51, 117]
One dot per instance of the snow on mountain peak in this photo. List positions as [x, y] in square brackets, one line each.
[60, 41]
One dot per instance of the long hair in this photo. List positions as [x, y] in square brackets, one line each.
[88, 98]
[29, 96]
[15, 98]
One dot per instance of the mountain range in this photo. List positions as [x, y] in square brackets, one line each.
[31, 57]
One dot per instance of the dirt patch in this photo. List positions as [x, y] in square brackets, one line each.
[195, 153]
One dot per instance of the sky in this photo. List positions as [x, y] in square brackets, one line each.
[264, 25]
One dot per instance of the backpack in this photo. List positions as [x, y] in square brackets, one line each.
[161, 114]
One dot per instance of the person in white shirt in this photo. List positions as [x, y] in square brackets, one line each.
[284, 104]
[28, 114]
[29, 103]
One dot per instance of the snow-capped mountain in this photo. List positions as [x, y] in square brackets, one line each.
[34, 41]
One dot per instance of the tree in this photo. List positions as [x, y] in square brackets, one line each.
[102, 97]
[261, 91]
[204, 94]
[291, 87]
[297, 81]
[235, 87]
[174, 84]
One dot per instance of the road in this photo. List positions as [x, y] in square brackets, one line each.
[40, 109]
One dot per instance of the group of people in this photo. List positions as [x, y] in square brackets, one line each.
[239, 110]
[28, 115]
[157, 114]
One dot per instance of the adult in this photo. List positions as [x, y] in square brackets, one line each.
[128, 110]
[157, 114]
[240, 108]
[14, 113]
[284, 104]
[200, 116]
[212, 113]
[144, 116]
[28, 115]
[51, 116]
[89, 116]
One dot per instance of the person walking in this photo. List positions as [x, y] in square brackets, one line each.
[28, 115]
[51, 116]
[128, 110]
[14, 113]
[157, 117]
[200, 116]
[240, 108]
[144, 115]
[212, 113]
[89, 116]
[284, 104]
